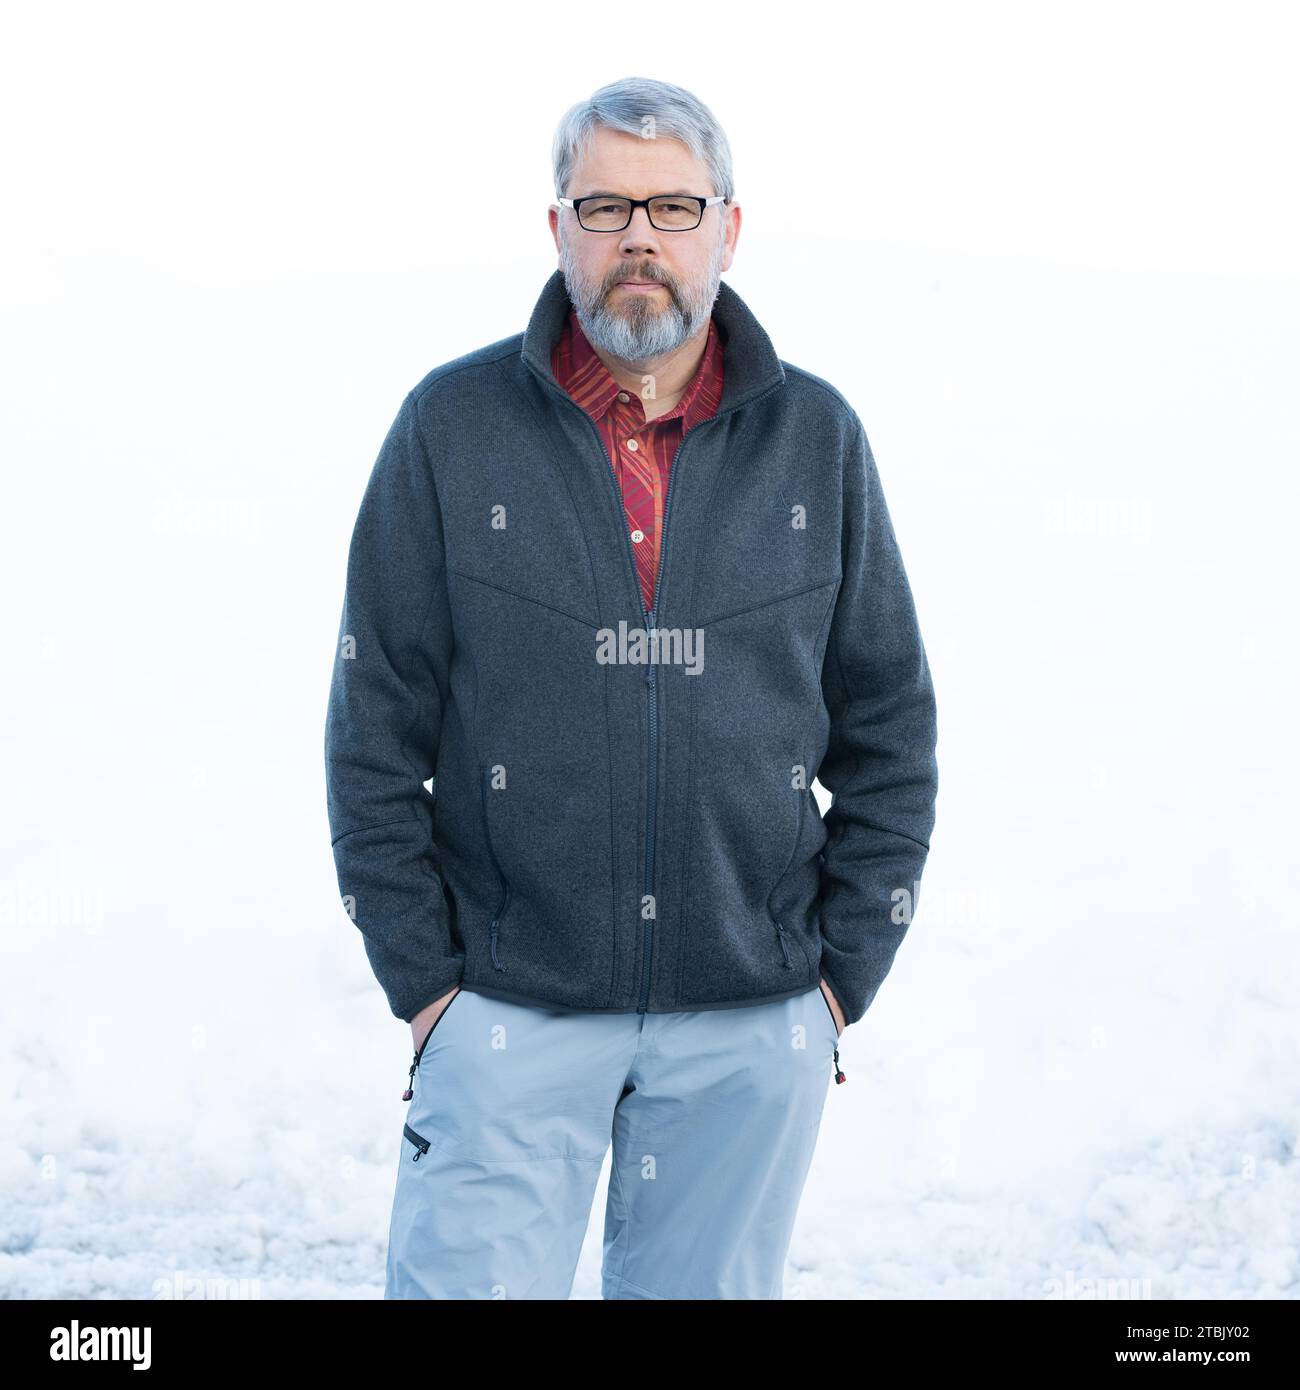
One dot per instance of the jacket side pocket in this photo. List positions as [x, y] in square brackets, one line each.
[783, 938]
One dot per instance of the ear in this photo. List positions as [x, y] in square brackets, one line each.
[732, 233]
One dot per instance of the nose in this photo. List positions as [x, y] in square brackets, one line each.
[639, 236]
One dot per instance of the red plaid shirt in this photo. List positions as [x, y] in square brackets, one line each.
[640, 451]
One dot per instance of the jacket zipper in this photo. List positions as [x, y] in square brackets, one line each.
[652, 728]
[652, 732]
[421, 1144]
[505, 885]
[652, 735]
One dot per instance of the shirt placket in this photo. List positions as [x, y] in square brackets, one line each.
[639, 484]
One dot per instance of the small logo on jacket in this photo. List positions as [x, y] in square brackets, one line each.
[660, 646]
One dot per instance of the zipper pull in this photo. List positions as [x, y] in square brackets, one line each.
[492, 941]
[785, 950]
[408, 1093]
[839, 1075]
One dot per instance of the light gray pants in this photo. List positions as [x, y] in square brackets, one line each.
[713, 1116]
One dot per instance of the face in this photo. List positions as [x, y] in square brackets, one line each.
[679, 271]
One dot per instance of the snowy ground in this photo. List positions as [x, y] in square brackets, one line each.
[1085, 1065]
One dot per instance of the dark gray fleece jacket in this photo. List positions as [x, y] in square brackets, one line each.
[620, 813]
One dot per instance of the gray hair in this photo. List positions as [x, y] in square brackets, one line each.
[638, 105]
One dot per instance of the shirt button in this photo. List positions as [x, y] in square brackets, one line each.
[624, 397]
[638, 535]
[633, 445]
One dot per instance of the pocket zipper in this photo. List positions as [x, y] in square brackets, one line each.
[421, 1144]
[492, 937]
[501, 878]
[839, 1075]
[785, 950]
[419, 1051]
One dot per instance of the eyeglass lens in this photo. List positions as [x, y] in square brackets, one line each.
[613, 214]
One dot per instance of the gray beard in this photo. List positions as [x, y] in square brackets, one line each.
[641, 330]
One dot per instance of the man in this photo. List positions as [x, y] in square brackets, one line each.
[621, 586]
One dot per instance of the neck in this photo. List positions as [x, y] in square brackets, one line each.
[672, 373]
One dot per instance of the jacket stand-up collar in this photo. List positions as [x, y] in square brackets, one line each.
[750, 361]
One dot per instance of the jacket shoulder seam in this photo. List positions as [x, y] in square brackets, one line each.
[847, 413]
[459, 365]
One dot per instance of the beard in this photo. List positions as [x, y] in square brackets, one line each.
[637, 328]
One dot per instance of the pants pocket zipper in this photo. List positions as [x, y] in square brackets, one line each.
[419, 1051]
[421, 1144]
[835, 1046]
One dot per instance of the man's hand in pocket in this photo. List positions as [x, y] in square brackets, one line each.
[423, 1022]
[836, 1011]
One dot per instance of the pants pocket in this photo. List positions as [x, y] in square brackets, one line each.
[420, 1051]
[830, 1013]
[447, 1008]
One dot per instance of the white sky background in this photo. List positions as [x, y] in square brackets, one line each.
[1049, 255]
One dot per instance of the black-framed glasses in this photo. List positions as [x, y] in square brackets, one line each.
[668, 212]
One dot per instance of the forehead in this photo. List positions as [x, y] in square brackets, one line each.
[620, 163]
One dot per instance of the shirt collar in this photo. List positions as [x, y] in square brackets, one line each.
[753, 368]
[578, 369]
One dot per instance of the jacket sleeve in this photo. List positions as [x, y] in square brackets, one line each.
[880, 764]
[382, 727]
